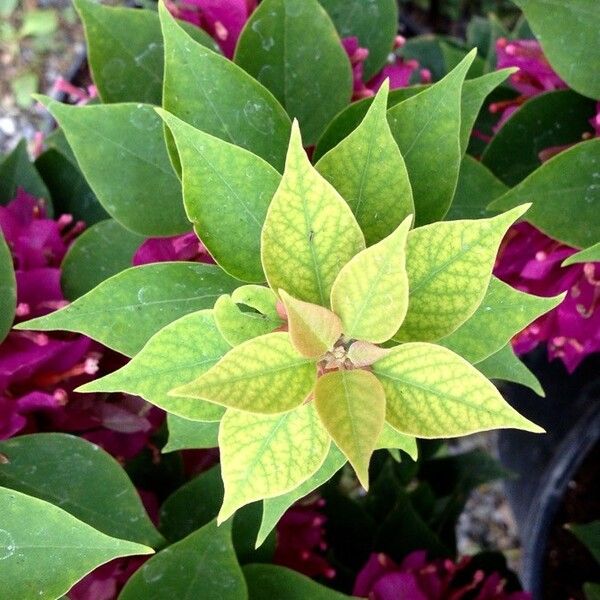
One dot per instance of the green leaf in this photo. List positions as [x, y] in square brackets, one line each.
[17, 171]
[375, 28]
[82, 479]
[591, 254]
[476, 188]
[591, 590]
[313, 329]
[569, 33]
[351, 405]
[202, 565]
[121, 151]
[274, 508]
[551, 119]
[213, 94]
[292, 48]
[350, 118]
[392, 439]
[238, 326]
[589, 536]
[309, 233]
[506, 366]
[263, 375]
[271, 581]
[100, 252]
[433, 393]
[503, 312]
[449, 267]
[368, 171]
[370, 294]
[8, 289]
[268, 455]
[125, 51]
[570, 179]
[178, 353]
[225, 189]
[419, 136]
[185, 434]
[45, 550]
[126, 310]
[258, 297]
[474, 93]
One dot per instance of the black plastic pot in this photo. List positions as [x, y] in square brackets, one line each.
[546, 464]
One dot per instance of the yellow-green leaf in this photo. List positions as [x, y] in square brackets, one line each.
[178, 353]
[238, 326]
[449, 267]
[433, 393]
[368, 171]
[263, 375]
[392, 439]
[313, 329]
[268, 455]
[351, 405]
[309, 233]
[591, 254]
[370, 294]
[502, 314]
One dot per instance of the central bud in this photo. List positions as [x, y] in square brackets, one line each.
[337, 358]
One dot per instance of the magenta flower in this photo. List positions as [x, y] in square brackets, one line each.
[416, 578]
[224, 21]
[178, 247]
[531, 261]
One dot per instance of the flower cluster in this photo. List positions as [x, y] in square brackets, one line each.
[419, 579]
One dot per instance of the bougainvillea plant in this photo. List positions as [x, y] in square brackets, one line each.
[345, 311]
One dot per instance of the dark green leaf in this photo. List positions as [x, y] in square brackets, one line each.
[102, 251]
[589, 536]
[292, 48]
[82, 479]
[8, 289]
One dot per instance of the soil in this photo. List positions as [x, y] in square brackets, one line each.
[568, 564]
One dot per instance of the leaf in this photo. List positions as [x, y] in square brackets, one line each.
[433, 393]
[45, 550]
[82, 479]
[263, 375]
[8, 289]
[476, 188]
[268, 455]
[292, 48]
[351, 405]
[368, 171]
[126, 310]
[474, 93]
[202, 565]
[237, 326]
[121, 151]
[569, 33]
[214, 95]
[100, 252]
[125, 51]
[364, 354]
[225, 189]
[258, 297]
[17, 171]
[375, 28]
[591, 590]
[503, 312]
[589, 535]
[178, 353]
[370, 294]
[309, 232]
[392, 439]
[550, 119]
[570, 179]
[347, 120]
[271, 581]
[506, 366]
[449, 267]
[591, 254]
[274, 508]
[313, 329]
[185, 434]
[418, 124]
